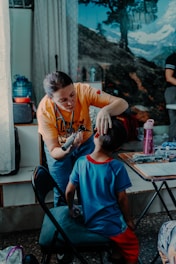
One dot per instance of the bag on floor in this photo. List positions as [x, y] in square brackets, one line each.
[30, 259]
[12, 255]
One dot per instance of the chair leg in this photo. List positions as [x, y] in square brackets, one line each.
[155, 258]
[80, 257]
[45, 258]
[139, 261]
[101, 257]
[104, 255]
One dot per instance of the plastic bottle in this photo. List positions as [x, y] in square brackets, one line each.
[22, 87]
[148, 145]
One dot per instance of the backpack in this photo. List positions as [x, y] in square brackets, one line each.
[12, 255]
[15, 255]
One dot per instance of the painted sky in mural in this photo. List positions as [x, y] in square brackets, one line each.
[150, 40]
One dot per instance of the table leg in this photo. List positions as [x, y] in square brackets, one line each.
[170, 193]
[145, 210]
[157, 190]
[161, 198]
[164, 204]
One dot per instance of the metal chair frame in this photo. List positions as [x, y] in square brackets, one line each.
[42, 184]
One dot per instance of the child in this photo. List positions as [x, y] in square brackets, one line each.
[102, 181]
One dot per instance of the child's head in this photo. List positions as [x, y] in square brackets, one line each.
[115, 136]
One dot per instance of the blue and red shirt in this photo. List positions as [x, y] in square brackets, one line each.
[99, 183]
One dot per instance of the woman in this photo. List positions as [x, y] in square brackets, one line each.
[61, 112]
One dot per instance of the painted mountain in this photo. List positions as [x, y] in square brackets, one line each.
[132, 68]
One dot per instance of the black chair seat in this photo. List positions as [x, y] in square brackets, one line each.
[78, 234]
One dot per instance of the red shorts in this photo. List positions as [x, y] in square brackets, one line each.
[128, 245]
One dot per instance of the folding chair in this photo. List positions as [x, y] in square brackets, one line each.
[59, 231]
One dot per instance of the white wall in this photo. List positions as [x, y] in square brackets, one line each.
[21, 40]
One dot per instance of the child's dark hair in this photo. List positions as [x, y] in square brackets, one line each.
[56, 81]
[115, 137]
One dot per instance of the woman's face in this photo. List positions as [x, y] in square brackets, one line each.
[65, 98]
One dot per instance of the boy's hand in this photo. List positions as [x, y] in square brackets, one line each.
[75, 211]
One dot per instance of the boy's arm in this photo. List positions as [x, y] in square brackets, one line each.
[122, 199]
[69, 195]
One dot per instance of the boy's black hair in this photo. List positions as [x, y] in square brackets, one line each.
[115, 137]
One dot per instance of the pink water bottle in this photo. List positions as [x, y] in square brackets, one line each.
[148, 145]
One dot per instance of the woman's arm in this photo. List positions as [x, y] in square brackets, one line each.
[56, 150]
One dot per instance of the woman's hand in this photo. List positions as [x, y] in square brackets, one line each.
[78, 139]
[116, 107]
[103, 121]
[73, 141]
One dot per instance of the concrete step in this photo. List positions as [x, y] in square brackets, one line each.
[22, 212]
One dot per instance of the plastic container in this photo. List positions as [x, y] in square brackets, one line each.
[22, 87]
[22, 99]
[148, 144]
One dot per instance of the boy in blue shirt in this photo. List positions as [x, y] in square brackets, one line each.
[103, 181]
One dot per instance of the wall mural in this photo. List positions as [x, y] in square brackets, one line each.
[124, 44]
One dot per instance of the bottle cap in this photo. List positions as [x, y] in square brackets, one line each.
[149, 124]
